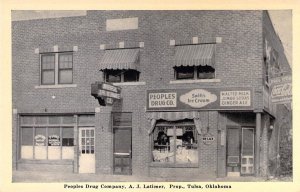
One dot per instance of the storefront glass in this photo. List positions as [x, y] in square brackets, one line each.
[47, 137]
[175, 142]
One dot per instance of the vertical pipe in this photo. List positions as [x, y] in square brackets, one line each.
[257, 143]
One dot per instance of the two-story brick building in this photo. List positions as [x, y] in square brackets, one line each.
[193, 86]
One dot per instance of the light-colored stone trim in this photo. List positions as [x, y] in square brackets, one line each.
[129, 83]
[55, 86]
[195, 81]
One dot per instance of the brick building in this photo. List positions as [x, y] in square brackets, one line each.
[193, 86]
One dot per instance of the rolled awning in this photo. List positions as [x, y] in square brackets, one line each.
[195, 55]
[174, 116]
[120, 59]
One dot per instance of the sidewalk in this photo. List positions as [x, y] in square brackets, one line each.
[51, 177]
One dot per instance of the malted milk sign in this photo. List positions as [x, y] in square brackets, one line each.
[201, 98]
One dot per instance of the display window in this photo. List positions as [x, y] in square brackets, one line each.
[47, 137]
[175, 142]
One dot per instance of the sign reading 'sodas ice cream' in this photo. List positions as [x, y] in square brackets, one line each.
[202, 98]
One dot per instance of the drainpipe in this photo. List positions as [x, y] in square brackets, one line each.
[257, 143]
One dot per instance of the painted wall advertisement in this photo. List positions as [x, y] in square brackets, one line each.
[200, 98]
[281, 89]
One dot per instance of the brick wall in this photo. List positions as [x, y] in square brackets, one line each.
[238, 64]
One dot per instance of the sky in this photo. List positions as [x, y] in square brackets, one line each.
[281, 19]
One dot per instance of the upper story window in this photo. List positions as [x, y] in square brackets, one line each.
[117, 76]
[194, 62]
[120, 65]
[194, 72]
[57, 68]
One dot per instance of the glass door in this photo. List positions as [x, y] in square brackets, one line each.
[247, 151]
[87, 150]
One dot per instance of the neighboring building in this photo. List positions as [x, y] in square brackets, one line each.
[194, 86]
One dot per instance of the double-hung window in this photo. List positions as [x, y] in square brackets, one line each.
[57, 68]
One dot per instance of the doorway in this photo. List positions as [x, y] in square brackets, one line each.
[240, 151]
[87, 150]
[122, 143]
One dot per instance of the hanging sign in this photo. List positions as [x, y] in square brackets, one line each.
[105, 93]
[200, 98]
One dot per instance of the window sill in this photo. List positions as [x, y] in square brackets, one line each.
[55, 86]
[38, 161]
[129, 83]
[173, 165]
[195, 81]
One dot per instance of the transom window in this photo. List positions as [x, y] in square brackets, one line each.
[194, 72]
[116, 76]
[175, 142]
[57, 68]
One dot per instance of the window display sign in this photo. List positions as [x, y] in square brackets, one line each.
[200, 98]
[39, 140]
[53, 140]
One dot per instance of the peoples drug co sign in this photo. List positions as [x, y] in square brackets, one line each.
[202, 98]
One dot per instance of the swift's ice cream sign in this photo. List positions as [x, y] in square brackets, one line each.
[202, 98]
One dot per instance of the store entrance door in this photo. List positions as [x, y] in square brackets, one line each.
[87, 150]
[122, 151]
[240, 151]
[247, 151]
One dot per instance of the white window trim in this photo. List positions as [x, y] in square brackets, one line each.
[56, 72]
[58, 86]
[130, 83]
[195, 81]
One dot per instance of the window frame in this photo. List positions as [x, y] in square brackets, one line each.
[195, 72]
[174, 126]
[43, 70]
[57, 68]
[47, 126]
[122, 75]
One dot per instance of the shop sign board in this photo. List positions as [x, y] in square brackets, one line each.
[208, 139]
[200, 98]
[106, 92]
[281, 89]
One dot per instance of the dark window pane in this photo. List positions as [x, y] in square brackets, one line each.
[65, 61]
[206, 72]
[54, 119]
[47, 77]
[186, 72]
[122, 119]
[48, 62]
[40, 137]
[131, 75]
[67, 119]
[27, 136]
[41, 120]
[67, 142]
[86, 119]
[65, 76]
[54, 136]
[27, 120]
[113, 75]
